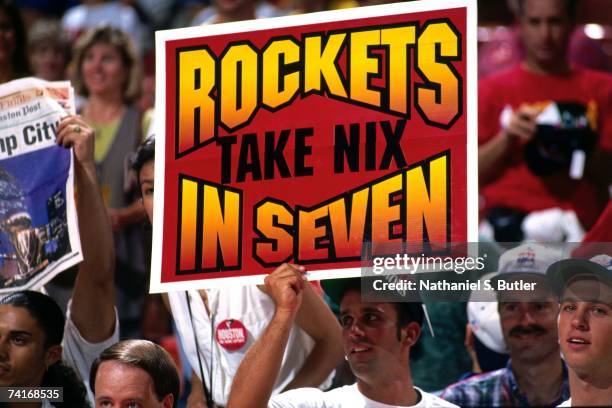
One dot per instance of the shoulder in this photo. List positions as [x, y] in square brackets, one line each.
[593, 75]
[300, 397]
[74, 15]
[132, 111]
[204, 16]
[347, 396]
[477, 379]
[76, 347]
[430, 400]
[266, 10]
[567, 403]
[186, 308]
[598, 83]
[494, 90]
[501, 77]
[473, 386]
[78, 353]
[117, 7]
[177, 297]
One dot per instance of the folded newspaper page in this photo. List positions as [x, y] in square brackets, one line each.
[39, 234]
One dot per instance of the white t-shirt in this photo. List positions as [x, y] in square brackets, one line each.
[348, 396]
[567, 403]
[254, 309]
[263, 9]
[79, 354]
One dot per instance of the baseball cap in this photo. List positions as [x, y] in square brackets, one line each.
[561, 273]
[483, 318]
[527, 259]
[336, 288]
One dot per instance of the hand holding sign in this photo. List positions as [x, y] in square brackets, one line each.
[285, 286]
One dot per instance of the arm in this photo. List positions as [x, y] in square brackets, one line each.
[166, 302]
[196, 397]
[493, 153]
[259, 369]
[316, 319]
[93, 303]
[597, 168]
[126, 216]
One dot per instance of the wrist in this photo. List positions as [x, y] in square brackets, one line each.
[120, 214]
[510, 139]
[284, 314]
[88, 166]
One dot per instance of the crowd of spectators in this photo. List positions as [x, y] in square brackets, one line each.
[529, 189]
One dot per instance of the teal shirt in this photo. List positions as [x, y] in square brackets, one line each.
[444, 357]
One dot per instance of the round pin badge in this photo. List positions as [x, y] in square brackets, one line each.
[231, 334]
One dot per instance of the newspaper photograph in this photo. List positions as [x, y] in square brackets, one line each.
[38, 225]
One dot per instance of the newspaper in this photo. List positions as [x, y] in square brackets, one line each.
[39, 235]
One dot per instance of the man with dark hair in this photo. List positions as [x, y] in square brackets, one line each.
[545, 134]
[31, 328]
[584, 288]
[378, 339]
[570, 7]
[534, 374]
[31, 333]
[135, 373]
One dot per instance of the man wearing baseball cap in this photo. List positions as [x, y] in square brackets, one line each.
[585, 327]
[378, 338]
[534, 374]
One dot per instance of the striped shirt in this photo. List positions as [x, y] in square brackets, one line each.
[496, 389]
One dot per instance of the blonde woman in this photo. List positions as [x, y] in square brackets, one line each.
[107, 74]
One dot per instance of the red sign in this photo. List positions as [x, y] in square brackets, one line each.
[299, 139]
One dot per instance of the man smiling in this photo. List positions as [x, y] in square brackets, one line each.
[378, 338]
[585, 327]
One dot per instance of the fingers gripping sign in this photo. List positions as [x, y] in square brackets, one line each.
[286, 286]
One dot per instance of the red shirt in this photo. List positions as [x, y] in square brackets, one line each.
[517, 187]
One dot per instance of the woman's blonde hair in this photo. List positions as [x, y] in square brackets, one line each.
[117, 38]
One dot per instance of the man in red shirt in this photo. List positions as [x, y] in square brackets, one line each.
[537, 120]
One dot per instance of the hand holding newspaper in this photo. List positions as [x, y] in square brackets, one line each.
[38, 226]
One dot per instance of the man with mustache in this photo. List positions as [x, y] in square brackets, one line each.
[535, 374]
[585, 327]
[378, 339]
